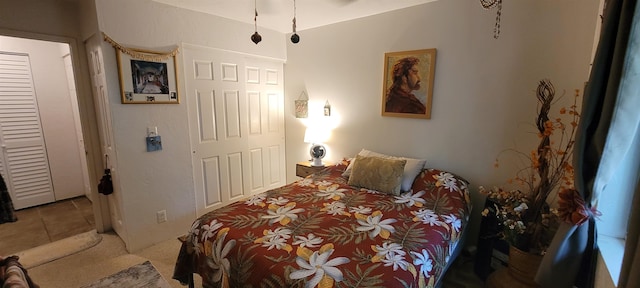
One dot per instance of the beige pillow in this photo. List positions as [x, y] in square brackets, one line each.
[411, 169]
[376, 173]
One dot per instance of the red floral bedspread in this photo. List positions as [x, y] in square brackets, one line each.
[321, 232]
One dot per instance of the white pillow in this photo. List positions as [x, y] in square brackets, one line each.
[411, 169]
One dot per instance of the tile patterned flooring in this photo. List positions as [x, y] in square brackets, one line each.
[46, 223]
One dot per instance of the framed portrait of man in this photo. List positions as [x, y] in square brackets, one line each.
[408, 83]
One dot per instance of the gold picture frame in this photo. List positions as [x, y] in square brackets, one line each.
[147, 80]
[408, 83]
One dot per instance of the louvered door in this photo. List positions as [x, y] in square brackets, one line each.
[24, 163]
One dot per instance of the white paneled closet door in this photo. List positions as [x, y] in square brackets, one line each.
[24, 161]
[236, 121]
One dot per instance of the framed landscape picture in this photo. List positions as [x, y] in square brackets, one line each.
[147, 80]
[408, 83]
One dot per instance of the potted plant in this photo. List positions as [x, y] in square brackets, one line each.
[525, 217]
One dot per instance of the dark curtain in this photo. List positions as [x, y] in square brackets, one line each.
[571, 257]
[6, 206]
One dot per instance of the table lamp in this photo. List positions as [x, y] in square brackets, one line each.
[316, 136]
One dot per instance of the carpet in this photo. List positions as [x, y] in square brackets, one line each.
[141, 275]
[55, 250]
[462, 274]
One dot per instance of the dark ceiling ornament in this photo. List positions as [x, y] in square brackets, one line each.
[294, 38]
[490, 4]
[256, 38]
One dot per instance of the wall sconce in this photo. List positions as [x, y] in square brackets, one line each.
[302, 105]
[327, 108]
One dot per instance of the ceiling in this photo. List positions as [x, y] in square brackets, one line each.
[278, 14]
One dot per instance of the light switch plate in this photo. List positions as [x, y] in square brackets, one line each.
[161, 216]
[152, 131]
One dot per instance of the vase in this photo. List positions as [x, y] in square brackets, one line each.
[521, 270]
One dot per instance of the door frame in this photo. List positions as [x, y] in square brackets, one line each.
[86, 109]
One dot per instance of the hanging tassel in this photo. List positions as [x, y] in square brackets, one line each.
[294, 38]
[256, 38]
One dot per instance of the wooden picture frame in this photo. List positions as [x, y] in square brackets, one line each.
[144, 81]
[401, 97]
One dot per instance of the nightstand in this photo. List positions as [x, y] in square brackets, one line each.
[304, 169]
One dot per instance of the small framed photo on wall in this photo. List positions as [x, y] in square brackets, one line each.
[147, 79]
[408, 83]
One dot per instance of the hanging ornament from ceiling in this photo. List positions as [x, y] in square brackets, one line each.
[256, 38]
[490, 4]
[294, 38]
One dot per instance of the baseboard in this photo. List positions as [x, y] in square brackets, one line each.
[55, 250]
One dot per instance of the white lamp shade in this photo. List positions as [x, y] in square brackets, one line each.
[316, 135]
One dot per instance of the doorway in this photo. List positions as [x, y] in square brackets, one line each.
[58, 119]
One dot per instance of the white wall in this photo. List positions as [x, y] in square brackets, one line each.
[162, 180]
[88, 19]
[40, 16]
[483, 100]
[56, 112]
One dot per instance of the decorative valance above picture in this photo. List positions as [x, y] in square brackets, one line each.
[146, 77]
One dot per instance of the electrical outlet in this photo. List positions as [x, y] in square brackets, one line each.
[161, 216]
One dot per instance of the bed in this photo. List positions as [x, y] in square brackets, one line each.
[323, 231]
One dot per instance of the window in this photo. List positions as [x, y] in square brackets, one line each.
[619, 168]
